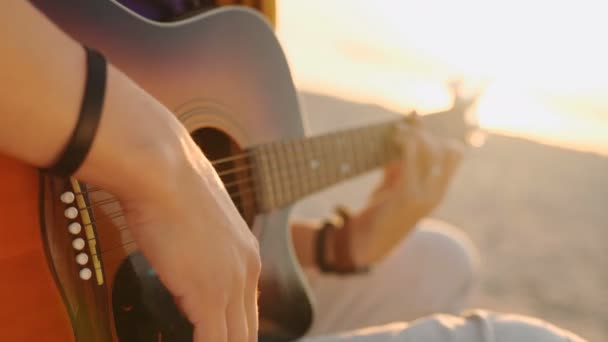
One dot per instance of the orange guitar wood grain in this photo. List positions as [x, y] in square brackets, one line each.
[32, 308]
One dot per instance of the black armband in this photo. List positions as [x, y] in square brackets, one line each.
[85, 131]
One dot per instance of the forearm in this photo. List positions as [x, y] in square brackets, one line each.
[362, 249]
[43, 80]
[303, 235]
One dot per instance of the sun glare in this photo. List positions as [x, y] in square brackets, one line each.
[543, 62]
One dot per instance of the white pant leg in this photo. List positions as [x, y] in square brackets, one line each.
[479, 326]
[431, 271]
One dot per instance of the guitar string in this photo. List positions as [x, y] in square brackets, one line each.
[215, 162]
[222, 161]
[282, 174]
[121, 228]
[239, 193]
[120, 213]
[287, 171]
[112, 199]
[252, 153]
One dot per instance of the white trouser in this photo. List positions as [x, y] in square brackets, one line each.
[432, 271]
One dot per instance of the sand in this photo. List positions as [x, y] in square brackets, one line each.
[537, 213]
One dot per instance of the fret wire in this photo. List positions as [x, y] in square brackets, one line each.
[271, 173]
[378, 145]
[309, 161]
[331, 159]
[352, 142]
[373, 145]
[322, 162]
[278, 176]
[267, 176]
[338, 160]
[332, 164]
[387, 134]
[361, 149]
[371, 135]
[284, 176]
[319, 176]
[273, 170]
[305, 153]
[291, 158]
[283, 172]
[343, 151]
[292, 179]
[328, 160]
[313, 172]
[326, 150]
[390, 136]
[318, 150]
[300, 188]
[256, 180]
[309, 156]
[269, 191]
[347, 152]
[331, 143]
[366, 148]
[380, 132]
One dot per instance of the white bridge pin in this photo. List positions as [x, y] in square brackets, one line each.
[85, 274]
[67, 197]
[71, 213]
[74, 228]
[82, 259]
[78, 244]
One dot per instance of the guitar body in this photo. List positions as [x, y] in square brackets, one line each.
[32, 306]
[225, 77]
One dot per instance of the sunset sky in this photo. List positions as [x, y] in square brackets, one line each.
[543, 63]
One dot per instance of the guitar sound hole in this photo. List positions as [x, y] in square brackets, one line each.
[144, 310]
[233, 166]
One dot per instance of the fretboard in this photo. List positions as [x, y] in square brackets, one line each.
[289, 170]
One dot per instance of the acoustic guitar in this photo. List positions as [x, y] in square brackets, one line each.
[70, 268]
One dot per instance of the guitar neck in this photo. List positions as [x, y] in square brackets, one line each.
[286, 171]
[289, 170]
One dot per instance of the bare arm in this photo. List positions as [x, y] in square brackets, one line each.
[180, 215]
[42, 81]
[408, 193]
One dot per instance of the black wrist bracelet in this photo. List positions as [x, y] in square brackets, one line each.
[84, 133]
[320, 248]
[343, 265]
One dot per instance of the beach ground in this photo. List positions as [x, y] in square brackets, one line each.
[538, 215]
